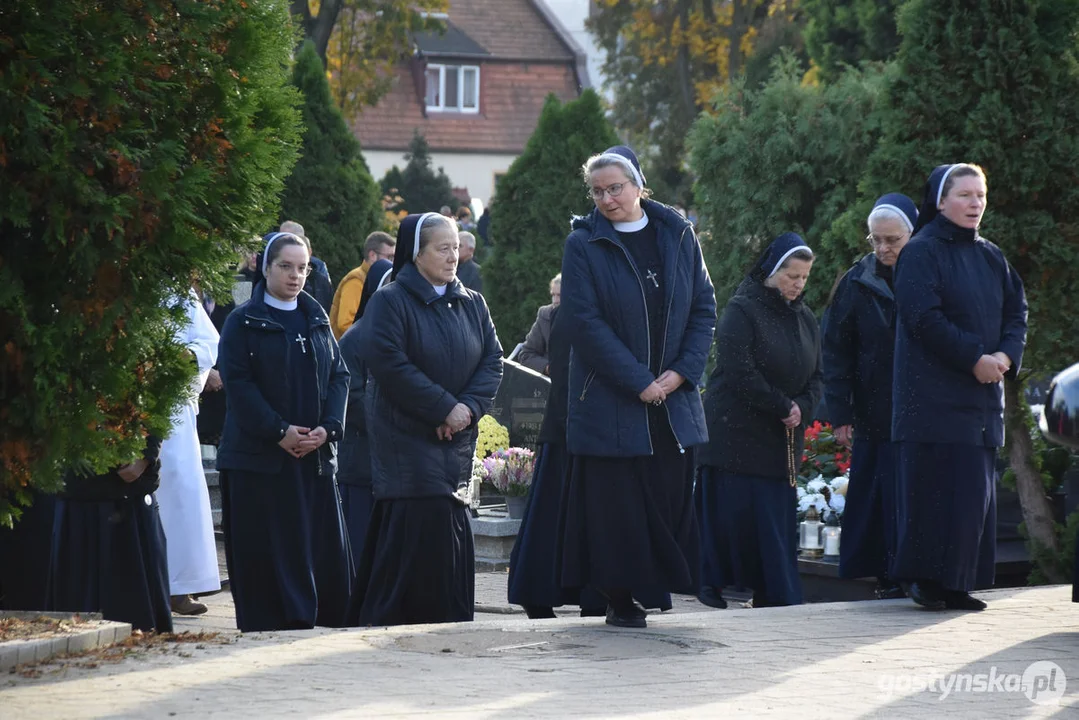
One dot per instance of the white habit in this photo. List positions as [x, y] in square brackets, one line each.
[183, 496]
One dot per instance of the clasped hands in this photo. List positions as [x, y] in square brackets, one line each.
[991, 368]
[656, 393]
[300, 441]
[458, 419]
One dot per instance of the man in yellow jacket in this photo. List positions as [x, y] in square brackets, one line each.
[346, 301]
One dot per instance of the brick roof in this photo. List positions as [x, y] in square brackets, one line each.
[510, 29]
[528, 58]
[511, 98]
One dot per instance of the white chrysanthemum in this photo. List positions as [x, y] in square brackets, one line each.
[838, 503]
[815, 485]
[812, 500]
[839, 485]
[801, 492]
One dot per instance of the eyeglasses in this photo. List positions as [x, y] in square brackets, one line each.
[289, 268]
[388, 255]
[612, 190]
[889, 242]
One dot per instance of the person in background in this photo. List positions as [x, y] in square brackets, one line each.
[858, 354]
[445, 211]
[483, 227]
[183, 496]
[464, 219]
[319, 285]
[354, 460]
[641, 309]
[961, 331]
[434, 367]
[468, 270]
[108, 552]
[760, 396]
[286, 387]
[377, 246]
[534, 353]
[211, 415]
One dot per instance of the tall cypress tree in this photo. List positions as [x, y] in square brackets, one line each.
[849, 32]
[535, 200]
[141, 143]
[331, 191]
[997, 83]
[420, 187]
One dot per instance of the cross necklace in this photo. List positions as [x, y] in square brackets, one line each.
[303, 342]
[651, 275]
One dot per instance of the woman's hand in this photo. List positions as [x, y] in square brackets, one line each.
[844, 435]
[670, 381]
[795, 418]
[990, 369]
[291, 442]
[312, 441]
[459, 418]
[653, 394]
[444, 432]
[213, 381]
[131, 473]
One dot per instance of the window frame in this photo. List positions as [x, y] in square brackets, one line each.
[458, 106]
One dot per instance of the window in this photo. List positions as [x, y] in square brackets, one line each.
[453, 88]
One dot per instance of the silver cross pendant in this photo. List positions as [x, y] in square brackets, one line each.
[303, 342]
[651, 275]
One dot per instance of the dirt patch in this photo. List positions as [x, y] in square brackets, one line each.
[138, 644]
[14, 628]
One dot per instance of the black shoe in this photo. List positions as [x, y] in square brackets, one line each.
[925, 595]
[629, 618]
[959, 600]
[535, 612]
[712, 597]
[889, 590]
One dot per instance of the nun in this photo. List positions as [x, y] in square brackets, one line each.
[25, 550]
[286, 387]
[533, 580]
[434, 365]
[858, 354]
[641, 309]
[108, 550]
[354, 463]
[760, 396]
[961, 330]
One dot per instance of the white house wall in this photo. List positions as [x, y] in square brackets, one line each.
[474, 171]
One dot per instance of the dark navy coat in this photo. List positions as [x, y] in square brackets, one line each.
[767, 356]
[858, 352]
[958, 299]
[252, 360]
[603, 297]
[425, 354]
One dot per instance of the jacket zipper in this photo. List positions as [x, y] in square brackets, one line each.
[648, 335]
[587, 384]
[663, 351]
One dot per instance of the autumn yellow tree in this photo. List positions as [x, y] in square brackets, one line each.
[666, 59]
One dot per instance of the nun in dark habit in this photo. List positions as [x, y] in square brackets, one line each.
[354, 461]
[761, 394]
[962, 328]
[641, 310]
[25, 550]
[859, 349]
[108, 549]
[434, 366]
[533, 579]
[286, 387]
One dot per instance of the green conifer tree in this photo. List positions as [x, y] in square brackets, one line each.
[839, 33]
[530, 218]
[783, 158]
[141, 145]
[421, 188]
[331, 191]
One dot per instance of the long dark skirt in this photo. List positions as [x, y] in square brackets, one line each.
[868, 544]
[108, 556]
[946, 515]
[533, 575]
[357, 501]
[287, 549]
[418, 564]
[749, 535]
[628, 523]
[24, 557]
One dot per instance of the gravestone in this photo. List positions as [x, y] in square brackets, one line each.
[520, 402]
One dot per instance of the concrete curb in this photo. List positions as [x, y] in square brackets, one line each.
[100, 633]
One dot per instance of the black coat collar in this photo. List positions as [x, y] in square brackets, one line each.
[416, 284]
